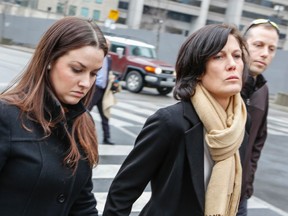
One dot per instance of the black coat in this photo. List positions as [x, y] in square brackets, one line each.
[169, 152]
[256, 96]
[33, 178]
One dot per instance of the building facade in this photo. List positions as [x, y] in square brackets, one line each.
[185, 16]
[95, 9]
[165, 16]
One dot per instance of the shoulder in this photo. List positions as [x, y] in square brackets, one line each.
[8, 111]
[170, 111]
[7, 116]
[171, 116]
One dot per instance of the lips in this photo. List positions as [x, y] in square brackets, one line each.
[78, 94]
[261, 63]
[232, 77]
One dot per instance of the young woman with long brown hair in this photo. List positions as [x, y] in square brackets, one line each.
[48, 143]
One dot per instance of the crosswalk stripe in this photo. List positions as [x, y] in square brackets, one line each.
[145, 104]
[105, 171]
[113, 121]
[133, 117]
[114, 149]
[137, 206]
[276, 132]
[134, 108]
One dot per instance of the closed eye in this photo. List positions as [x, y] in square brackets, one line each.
[77, 70]
[218, 57]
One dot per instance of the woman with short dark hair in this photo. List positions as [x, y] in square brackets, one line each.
[189, 151]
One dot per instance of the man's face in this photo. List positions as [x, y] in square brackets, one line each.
[262, 45]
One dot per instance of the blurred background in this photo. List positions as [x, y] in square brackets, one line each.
[163, 23]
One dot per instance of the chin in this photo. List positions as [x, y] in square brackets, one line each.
[70, 102]
[235, 91]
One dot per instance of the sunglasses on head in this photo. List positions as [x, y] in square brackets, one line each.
[263, 21]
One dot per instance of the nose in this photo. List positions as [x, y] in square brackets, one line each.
[231, 65]
[265, 52]
[85, 81]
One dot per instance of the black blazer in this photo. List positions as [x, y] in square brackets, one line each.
[168, 153]
[33, 179]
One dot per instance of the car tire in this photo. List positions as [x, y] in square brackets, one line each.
[164, 90]
[134, 82]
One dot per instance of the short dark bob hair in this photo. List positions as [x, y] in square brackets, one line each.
[196, 51]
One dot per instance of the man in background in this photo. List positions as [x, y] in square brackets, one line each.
[102, 81]
[262, 38]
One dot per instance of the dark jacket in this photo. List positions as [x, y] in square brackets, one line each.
[169, 151]
[34, 180]
[256, 96]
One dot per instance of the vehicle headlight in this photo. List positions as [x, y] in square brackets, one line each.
[158, 70]
[155, 70]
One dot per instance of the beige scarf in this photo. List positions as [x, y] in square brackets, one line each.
[224, 135]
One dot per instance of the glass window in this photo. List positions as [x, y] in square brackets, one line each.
[84, 12]
[143, 52]
[60, 8]
[179, 16]
[72, 10]
[96, 14]
[114, 47]
[124, 5]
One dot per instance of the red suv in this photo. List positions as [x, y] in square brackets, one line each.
[135, 63]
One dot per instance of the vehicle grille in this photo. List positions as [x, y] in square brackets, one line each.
[167, 72]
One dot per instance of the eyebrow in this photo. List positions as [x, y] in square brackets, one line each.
[82, 65]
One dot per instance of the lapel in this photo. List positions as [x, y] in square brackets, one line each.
[195, 151]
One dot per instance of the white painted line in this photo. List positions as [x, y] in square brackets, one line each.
[105, 171]
[133, 117]
[254, 203]
[137, 207]
[122, 150]
[112, 121]
[135, 109]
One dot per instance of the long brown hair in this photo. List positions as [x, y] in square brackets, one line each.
[28, 91]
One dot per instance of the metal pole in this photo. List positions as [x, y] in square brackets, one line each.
[159, 22]
[3, 17]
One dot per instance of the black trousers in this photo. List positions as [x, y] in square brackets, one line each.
[97, 101]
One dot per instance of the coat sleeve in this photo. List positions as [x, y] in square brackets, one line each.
[85, 204]
[256, 152]
[141, 165]
[4, 136]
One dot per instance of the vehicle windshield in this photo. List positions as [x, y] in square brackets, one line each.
[146, 52]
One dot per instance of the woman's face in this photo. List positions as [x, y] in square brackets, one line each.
[73, 74]
[223, 75]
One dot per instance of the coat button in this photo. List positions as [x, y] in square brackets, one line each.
[61, 198]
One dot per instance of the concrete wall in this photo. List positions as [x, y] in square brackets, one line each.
[277, 73]
[28, 31]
